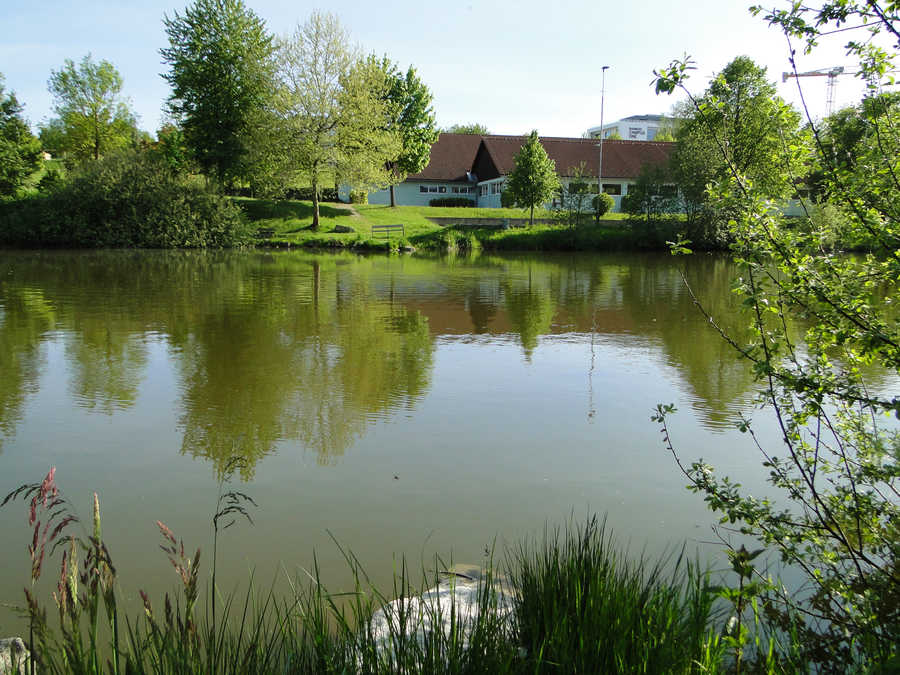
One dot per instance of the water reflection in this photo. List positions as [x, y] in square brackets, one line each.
[275, 347]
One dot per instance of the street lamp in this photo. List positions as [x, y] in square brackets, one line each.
[600, 144]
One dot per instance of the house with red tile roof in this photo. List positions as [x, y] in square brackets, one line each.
[476, 167]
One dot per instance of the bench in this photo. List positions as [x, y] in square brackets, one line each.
[385, 231]
[265, 232]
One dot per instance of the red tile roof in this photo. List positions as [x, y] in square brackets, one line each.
[621, 159]
[451, 158]
[455, 154]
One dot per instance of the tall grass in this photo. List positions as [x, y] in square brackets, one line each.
[580, 606]
[585, 608]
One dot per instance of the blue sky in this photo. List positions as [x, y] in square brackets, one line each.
[513, 65]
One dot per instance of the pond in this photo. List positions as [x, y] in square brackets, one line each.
[397, 406]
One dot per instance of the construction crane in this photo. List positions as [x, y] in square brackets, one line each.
[830, 73]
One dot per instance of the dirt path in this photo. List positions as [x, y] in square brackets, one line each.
[346, 207]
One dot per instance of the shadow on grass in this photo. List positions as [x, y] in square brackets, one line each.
[266, 209]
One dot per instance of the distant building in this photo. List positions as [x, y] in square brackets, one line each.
[634, 128]
[476, 167]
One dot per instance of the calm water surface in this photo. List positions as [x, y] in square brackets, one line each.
[404, 406]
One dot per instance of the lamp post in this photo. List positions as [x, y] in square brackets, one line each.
[600, 144]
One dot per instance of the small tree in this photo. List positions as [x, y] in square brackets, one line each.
[602, 204]
[369, 137]
[575, 196]
[20, 151]
[94, 116]
[311, 65]
[533, 180]
[414, 120]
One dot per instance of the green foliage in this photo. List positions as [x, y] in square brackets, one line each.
[94, 118]
[53, 137]
[220, 71]
[20, 151]
[456, 202]
[613, 136]
[171, 145]
[333, 112]
[818, 322]
[602, 204]
[574, 196]
[533, 180]
[471, 128]
[52, 180]
[126, 199]
[369, 137]
[414, 120]
[737, 125]
[653, 197]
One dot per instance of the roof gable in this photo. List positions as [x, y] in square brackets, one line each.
[451, 158]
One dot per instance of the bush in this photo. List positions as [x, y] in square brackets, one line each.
[359, 197]
[52, 180]
[306, 194]
[452, 201]
[602, 204]
[131, 199]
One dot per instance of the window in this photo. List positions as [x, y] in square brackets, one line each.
[496, 188]
[432, 188]
[442, 189]
[455, 190]
[635, 132]
[423, 188]
[651, 133]
[612, 189]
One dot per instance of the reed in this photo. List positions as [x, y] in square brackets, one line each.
[581, 606]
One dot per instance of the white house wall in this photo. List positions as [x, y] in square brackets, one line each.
[485, 194]
[410, 193]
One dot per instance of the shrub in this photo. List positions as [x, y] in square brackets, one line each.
[130, 199]
[451, 201]
[52, 180]
[602, 204]
[359, 197]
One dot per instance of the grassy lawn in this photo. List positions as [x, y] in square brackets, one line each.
[291, 223]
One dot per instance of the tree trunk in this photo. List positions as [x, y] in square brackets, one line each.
[315, 191]
[392, 166]
[531, 220]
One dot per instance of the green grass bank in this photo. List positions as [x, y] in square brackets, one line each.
[289, 223]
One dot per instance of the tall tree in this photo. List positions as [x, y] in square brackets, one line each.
[311, 65]
[20, 151]
[220, 70]
[533, 180]
[415, 122]
[741, 105]
[473, 128]
[369, 140]
[94, 115]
